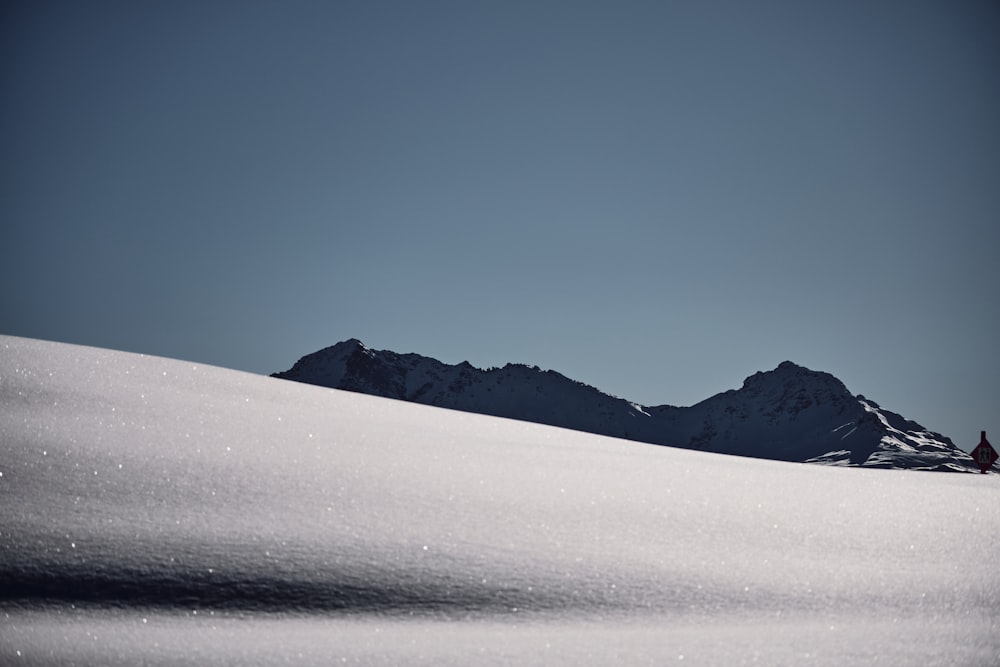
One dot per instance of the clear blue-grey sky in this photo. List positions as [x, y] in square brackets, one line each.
[655, 198]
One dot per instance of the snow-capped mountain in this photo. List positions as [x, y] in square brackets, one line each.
[790, 413]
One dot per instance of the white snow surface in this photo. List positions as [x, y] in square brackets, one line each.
[154, 511]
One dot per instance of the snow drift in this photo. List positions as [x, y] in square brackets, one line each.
[155, 511]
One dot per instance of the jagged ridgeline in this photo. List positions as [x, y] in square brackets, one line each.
[790, 413]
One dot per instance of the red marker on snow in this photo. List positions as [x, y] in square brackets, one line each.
[984, 455]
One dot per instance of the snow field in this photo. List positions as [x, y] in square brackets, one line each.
[239, 511]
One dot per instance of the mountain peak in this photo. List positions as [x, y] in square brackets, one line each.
[789, 378]
[351, 345]
[789, 369]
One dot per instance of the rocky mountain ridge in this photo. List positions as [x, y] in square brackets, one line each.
[790, 413]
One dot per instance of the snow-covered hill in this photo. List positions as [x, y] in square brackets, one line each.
[790, 413]
[159, 512]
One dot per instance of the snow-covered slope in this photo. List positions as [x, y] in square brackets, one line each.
[790, 413]
[160, 512]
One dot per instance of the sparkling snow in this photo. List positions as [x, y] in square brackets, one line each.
[157, 512]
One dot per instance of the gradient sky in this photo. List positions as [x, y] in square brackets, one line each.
[655, 198]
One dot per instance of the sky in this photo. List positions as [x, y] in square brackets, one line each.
[655, 198]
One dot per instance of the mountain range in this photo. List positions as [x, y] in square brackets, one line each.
[790, 413]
